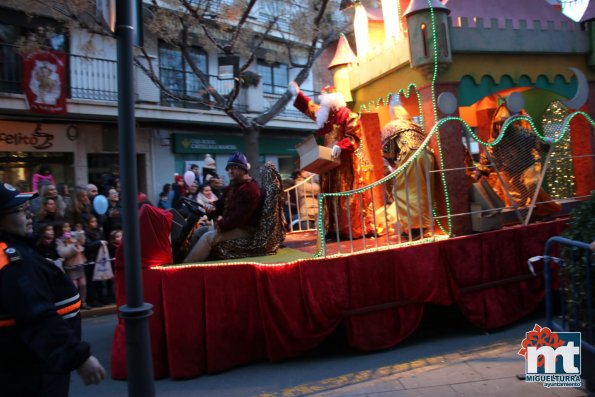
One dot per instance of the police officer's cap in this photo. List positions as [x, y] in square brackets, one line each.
[10, 197]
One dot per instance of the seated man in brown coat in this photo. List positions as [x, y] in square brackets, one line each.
[238, 210]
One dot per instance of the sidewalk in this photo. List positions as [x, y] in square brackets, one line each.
[99, 311]
[489, 371]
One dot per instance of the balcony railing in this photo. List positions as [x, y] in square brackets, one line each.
[97, 79]
[93, 78]
[89, 78]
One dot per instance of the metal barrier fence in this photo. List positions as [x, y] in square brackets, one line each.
[581, 311]
[301, 214]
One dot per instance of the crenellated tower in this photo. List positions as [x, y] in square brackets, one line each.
[419, 17]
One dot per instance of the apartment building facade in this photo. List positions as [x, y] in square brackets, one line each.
[80, 143]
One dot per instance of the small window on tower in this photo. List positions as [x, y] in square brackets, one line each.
[424, 38]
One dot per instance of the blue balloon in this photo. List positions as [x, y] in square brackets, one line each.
[100, 204]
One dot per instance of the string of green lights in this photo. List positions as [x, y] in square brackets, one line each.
[385, 100]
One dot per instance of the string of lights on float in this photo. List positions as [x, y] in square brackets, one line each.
[401, 167]
[362, 43]
[433, 101]
[560, 179]
[386, 100]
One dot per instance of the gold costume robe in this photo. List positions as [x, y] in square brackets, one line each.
[411, 208]
[342, 128]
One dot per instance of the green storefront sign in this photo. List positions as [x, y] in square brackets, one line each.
[190, 144]
[212, 143]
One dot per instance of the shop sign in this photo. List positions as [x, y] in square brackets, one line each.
[37, 139]
[21, 137]
[209, 143]
[187, 143]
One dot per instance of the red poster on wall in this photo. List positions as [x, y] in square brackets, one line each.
[44, 81]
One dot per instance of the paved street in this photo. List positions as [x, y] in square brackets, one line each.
[445, 357]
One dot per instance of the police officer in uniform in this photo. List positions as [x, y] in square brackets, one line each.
[40, 323]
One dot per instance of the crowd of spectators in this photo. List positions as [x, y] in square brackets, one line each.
[205, 189]
[69, 231]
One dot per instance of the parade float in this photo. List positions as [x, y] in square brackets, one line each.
[465, 82]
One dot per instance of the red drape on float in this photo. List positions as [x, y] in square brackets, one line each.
[44, 81]
[215, 317]
[155, 226]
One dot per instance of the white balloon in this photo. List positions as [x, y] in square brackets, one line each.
[100, 204]
[447, 103]
[189, 178]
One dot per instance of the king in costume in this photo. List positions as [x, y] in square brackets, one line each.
[340, 129]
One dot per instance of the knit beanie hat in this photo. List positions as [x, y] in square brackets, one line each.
[209, 162]
[238, 159]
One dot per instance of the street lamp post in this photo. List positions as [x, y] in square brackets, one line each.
[136, 312]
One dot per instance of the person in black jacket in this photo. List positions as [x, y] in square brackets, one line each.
[40, 323]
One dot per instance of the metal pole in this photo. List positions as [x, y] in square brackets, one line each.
[136, 312]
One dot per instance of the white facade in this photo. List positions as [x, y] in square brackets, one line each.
[92, 113]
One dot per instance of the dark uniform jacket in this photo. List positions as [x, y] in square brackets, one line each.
[40, 323]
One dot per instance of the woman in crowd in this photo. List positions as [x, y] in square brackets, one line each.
[112, 219]
[48, 214]
[207, 198]
[192, 191]
[48, 190]
[64, 192]
[79, 210]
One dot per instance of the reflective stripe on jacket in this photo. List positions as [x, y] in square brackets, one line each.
[66, 308]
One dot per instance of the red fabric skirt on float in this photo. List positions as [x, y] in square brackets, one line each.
[212, 317]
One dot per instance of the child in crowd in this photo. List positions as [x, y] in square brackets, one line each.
[71, 248]
[209, 169]
[163, 202]
[93, 241]
[43, 175]
[46, 245]
[115, 240]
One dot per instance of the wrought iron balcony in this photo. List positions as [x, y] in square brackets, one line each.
[96, 79]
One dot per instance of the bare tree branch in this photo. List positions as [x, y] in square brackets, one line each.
[295, 34]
